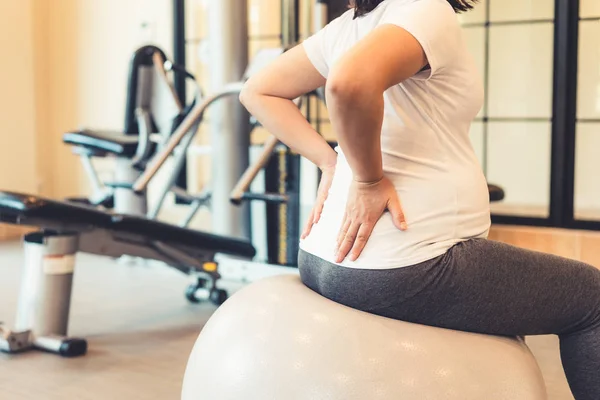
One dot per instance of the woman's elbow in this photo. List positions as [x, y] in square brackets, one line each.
[249, 92]
[344, 87]
[245, 95]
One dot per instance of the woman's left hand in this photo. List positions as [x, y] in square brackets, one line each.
[367, 201]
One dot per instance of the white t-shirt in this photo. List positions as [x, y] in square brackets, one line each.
[425, 142]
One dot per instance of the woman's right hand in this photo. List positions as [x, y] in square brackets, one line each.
[324, 186]
[367, 201]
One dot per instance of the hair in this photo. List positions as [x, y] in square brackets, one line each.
[362, 7]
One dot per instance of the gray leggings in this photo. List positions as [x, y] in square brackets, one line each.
[485, 287]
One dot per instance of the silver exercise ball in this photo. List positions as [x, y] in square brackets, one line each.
[278, 340]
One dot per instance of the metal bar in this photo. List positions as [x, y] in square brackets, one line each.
[529, 119]
[517, 220]
[193, 117]
[127, 201]
[194, 207]
[289, 23]
[45, 296]
[255, 38]
[230, 122]
[250, 174]
[180, 160]
[142, 152]
[562, 178]
[320, 15]
[179, 58]
[179, 46]
[507, 23]
[486, 86]
[307, 20]
[274, 198]
[159, 66]
[260, 38]
[98, 188]
[513, 119]
[584, 225]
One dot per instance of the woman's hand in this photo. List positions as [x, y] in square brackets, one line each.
[324, 186]
[367, 201]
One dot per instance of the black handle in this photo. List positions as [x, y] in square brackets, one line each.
[266, 197]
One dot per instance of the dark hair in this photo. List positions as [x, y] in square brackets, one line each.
[362, 7]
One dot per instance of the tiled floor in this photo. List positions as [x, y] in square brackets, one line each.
[140, 330]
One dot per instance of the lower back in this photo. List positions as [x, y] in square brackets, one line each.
[441, 211]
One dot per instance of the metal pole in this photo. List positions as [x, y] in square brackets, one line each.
[179, 46]
[307, 18]
[321, 15]
[45, 297]
[229, 121]
[179, 59]
[289, 23]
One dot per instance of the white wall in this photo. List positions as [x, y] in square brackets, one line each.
[89, 45]
[18, 168]
[66, 67]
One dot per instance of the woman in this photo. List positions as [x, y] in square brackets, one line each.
[400, 224]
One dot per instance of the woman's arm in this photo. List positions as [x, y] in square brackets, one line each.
[385, 57]
[269, 97]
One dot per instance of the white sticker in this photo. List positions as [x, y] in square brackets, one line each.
[59, 265]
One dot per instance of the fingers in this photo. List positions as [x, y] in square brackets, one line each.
[342, 233]
[362, 237]
[316, 214]
[395, 208]
[314, 217]
[309, 224]
[347, 242]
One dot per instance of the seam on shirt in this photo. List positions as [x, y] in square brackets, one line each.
[446, 158]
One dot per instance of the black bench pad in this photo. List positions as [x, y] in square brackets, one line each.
[496, 193]
[23, 209]
[111, 142]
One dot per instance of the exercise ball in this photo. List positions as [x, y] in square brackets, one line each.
[278, 340]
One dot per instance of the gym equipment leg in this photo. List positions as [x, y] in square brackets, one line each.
[126, 200]
[45, 297]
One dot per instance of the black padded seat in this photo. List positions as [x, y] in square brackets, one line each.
[168, 233]
[496, 193]
[112, 142]
[23, 209]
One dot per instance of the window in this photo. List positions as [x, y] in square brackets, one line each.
[513, 43]
[587, 140]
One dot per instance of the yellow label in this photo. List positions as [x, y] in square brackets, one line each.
[59, 265]
[210, 267]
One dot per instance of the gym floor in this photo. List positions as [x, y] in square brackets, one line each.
[140, 331]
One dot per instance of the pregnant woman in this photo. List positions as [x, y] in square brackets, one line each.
[400, 225]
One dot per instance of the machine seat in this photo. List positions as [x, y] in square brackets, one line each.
[111, 142]
[23, 209]
[163, 232]
[496, 193]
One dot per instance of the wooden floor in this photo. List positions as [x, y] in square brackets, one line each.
[140, 330]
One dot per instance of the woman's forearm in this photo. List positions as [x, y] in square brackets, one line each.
[356, 114]
[283, 119]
